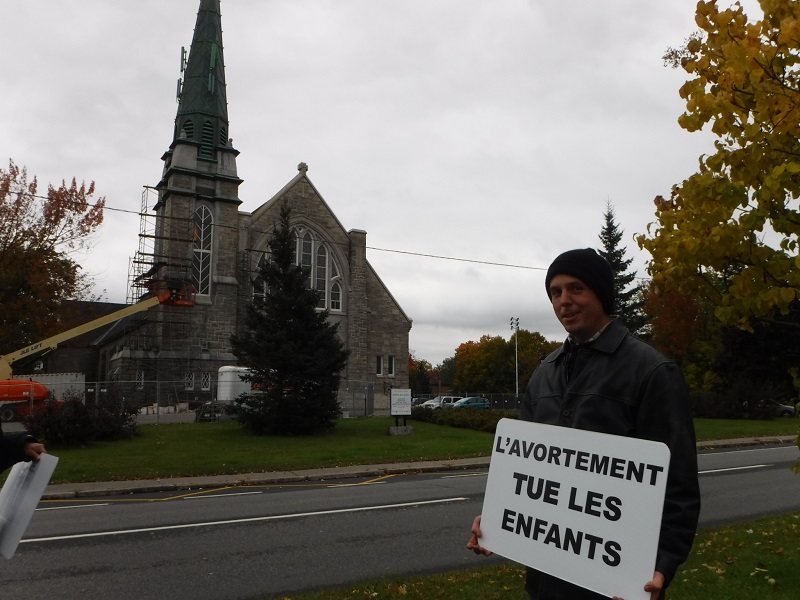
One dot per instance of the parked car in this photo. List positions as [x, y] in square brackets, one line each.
[769, 408]
[783, 410]
[210, 411]
[472, 402]
[440, 402]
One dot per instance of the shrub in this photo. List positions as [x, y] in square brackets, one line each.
[72, 422]
[467, 418]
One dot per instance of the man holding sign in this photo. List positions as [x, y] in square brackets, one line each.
[605, 380]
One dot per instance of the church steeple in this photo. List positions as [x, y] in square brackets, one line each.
[199, 185]
[201, 147]
[203, 109]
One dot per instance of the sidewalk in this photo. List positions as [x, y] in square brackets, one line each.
[66, 491]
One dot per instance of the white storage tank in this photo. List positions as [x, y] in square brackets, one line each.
[230, 384]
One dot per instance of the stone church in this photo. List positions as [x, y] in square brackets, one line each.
[194, 233]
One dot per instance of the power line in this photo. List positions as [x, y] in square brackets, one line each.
[469, 260]
[407, 252]
[390, 250]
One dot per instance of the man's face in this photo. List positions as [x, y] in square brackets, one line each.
[577, 307]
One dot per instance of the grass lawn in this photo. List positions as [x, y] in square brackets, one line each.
[191, 449]
[724, 429]
[746, 561]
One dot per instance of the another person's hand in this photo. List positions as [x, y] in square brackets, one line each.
[473, 543]
[654, 586]
[34, 450]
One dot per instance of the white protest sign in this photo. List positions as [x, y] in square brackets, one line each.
[582, 506]
[400, 402]
[19, 497]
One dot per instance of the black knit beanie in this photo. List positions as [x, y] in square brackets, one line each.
[591, 268]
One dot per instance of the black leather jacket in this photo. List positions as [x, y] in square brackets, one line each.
[620, 385]
[12, 449]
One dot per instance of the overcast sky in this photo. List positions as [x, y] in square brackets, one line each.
[492, 132]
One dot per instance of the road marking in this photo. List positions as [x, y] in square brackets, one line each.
[341, 485]
[746, 450]
[236, 521]
[465, 475]
[77, 506]
[196, 497]
[733, 469]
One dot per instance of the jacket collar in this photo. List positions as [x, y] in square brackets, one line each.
[608, 341]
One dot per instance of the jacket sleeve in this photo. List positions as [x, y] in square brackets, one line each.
[12, 449]
[664, 415]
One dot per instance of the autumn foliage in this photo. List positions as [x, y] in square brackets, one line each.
[729, 232]
[38, 235]
[489, 365]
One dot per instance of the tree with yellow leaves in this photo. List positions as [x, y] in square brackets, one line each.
[730, 231]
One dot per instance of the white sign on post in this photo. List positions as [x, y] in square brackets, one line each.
[19, 497]
[582, 506]
[400, 402]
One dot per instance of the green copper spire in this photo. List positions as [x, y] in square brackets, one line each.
[203, 109]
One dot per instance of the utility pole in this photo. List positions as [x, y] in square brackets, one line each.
[515, 329]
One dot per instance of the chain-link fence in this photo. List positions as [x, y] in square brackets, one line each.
[498, 401]
[356, 398]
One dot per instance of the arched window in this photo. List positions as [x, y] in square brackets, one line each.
[321, 282]
[336, 297]
[307, 251]
[323, 271]
[202, 249]
[259, 285]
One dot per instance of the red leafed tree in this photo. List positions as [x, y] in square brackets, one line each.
[684, 329]
[38, 235]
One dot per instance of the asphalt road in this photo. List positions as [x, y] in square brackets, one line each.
[259, 542]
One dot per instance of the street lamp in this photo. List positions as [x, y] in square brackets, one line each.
[515, 329]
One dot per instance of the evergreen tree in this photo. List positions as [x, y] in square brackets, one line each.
[293, 351]
[628, 300]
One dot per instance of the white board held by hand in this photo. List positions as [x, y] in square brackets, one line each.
[19, 497]
[582, 506]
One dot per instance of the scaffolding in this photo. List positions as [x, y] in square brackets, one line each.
[150, 262]
[158, 258]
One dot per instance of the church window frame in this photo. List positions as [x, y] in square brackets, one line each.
[336, 297]
[202, 249]
[259, 285]
[390, 366]
[324, 274]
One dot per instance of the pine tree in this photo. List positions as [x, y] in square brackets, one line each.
[628, 299]
[293, 351]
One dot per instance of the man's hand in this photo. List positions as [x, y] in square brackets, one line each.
[654, 586]
[34, 450]
[473, 543]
